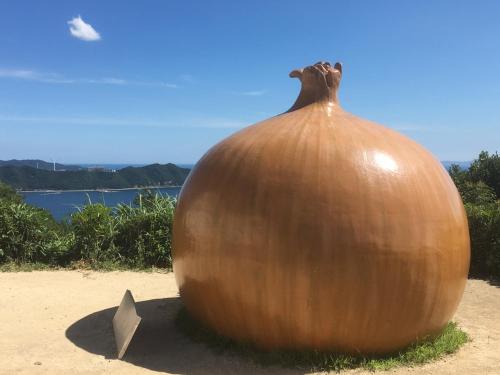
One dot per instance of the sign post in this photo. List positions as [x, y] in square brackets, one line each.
[125, 323]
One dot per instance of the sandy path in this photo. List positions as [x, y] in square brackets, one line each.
[59, 323]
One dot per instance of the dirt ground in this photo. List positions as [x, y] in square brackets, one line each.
[59, 322]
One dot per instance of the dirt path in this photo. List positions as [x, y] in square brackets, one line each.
[59, 323]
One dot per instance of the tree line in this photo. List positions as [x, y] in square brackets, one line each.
[29, 178]
[479, 186]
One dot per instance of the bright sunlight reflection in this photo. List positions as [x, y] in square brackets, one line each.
[385, 162]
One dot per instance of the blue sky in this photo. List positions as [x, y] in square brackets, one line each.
[165, 80]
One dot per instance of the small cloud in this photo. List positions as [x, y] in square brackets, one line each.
[194, 122]
[187, 78]
[82, 30]
[161, 84]
[32, 75]
[17, 73]
[105, 81]
[114, 81]
[252, 93]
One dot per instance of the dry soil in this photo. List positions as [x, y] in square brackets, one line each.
[59, 322]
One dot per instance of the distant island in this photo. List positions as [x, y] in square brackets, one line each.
[40, 164]
[41, 175]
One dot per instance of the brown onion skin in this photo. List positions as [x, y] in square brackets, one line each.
[316, 229]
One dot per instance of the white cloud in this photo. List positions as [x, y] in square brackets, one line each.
[17, 73]
[252, 93]
[193, 122]
[112, 81]
[123, 82]
[82, 30]
[32, 75]
[188, 78]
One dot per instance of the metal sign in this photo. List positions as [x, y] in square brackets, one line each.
[125, 323]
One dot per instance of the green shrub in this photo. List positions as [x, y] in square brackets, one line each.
[94, 229]
[476, 193]
[484, 229]
[30, 234]
[138, 235]
[486, 168]
[9, 194]
[144, 231]
[479, 187]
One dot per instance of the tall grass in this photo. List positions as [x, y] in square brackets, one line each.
[144, 230]
[29, 234]
[94, 230]
[138, 235]
[484, 228]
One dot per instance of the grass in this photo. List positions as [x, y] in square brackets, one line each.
[448, 342]
[103, 266]
[134, 237]
[26, 267]
[110, 266]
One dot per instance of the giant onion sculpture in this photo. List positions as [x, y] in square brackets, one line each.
[316, 229]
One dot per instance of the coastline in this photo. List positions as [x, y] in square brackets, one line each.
[103, 190]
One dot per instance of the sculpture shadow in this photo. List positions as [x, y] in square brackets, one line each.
[494, 282]
[490, 280]
[158, 344]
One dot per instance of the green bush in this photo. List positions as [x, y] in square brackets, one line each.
[486, 168]
[30, 234]
[94, 229]
[484, 229]
[9, 194]
[138, 235]
[479, 187]
[477, 193]
[144, 231]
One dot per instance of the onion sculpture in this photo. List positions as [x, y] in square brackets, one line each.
[316, 229]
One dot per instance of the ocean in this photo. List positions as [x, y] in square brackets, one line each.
[62, 204]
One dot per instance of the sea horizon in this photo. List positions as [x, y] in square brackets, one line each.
[62, 203]
[125, 165]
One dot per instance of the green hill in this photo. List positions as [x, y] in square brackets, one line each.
[39, 164]
[28, 178]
